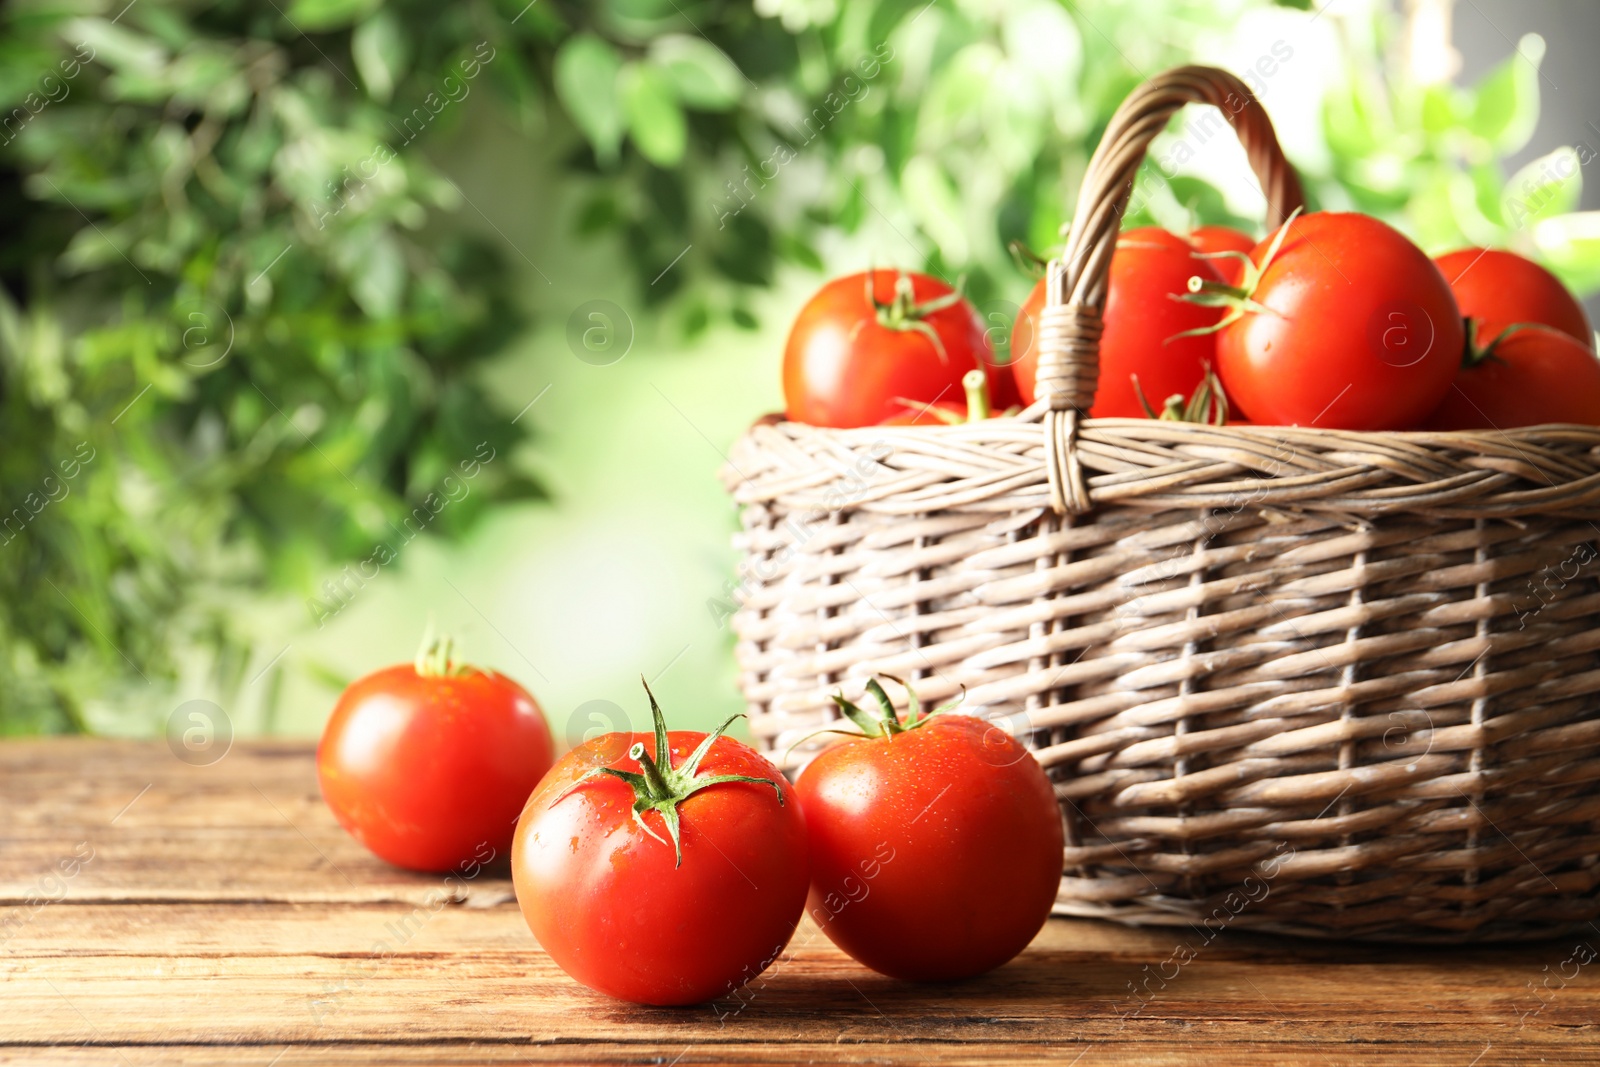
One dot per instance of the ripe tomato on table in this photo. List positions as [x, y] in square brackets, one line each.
[1145, 326]
[1497, 289]
[1524, 376]
[936, 842]
[1341, 323]
[426, 762]
[866, 344]
[662, 869]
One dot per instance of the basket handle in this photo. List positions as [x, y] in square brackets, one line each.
[1069, 328]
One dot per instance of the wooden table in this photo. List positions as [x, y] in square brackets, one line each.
[156, 912]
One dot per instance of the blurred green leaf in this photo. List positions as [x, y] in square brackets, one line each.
[1546, 187]
[316, 16]
[696, 320]
[1506, 101]
[655, 122]
[1570, 246]
[796, 250]
[380, 51]
[597, 215]
[1439, 110]
[520, 87]
[1349, 123]
[586, 75]
[948, 110]
[701, 74]
[116, 47]
[1485, 209]
[378, 276]
[933, 200]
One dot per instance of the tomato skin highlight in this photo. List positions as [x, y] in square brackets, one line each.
[935, 853]
[1360, 332]
[607, 901]
[1149, 270]
[1497, 289]
[1534, 376]
[423, 770]
[842, 368]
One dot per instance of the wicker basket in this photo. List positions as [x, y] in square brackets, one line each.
[1314, 681]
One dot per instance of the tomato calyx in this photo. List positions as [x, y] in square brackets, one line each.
[903, 313]
[660, 787]
[1208, 403]
[884, 721]
[1239, 299]
[436, 657]
[1478, 351]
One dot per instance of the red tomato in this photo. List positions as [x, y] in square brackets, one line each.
[1349, 327]
[662, 881]
[1003, 387]
[945, 412]
[1525, 377]
[936, 844]
[1498, 289]
[854, 354]
[1213, 239]
[426, 762]
[1143, 318]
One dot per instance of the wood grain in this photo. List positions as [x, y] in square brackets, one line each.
[224, 918]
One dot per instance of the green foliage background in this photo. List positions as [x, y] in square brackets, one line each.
[235, 278]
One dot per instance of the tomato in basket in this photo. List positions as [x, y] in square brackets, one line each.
[1149, 330]
[946, 413]
[867, 344]
[1523, 376]
[936, 842]
[1225, 248]
[1340, 322]
[1497, 289]
[662, 869]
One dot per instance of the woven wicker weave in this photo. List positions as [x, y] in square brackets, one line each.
[1316, 681]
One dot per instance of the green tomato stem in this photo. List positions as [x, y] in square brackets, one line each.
[1208, 404]
[1238, 300]
[885, 721]
[976, 383]
[660, 787]
[902, 312]
[436, 657]
[1478, 351]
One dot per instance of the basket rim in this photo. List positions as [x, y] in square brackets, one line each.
[1036, 411]
[1002, 464]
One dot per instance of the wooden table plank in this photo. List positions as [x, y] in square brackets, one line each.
[161, 830]
[1176, 1051]
[223, 918]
